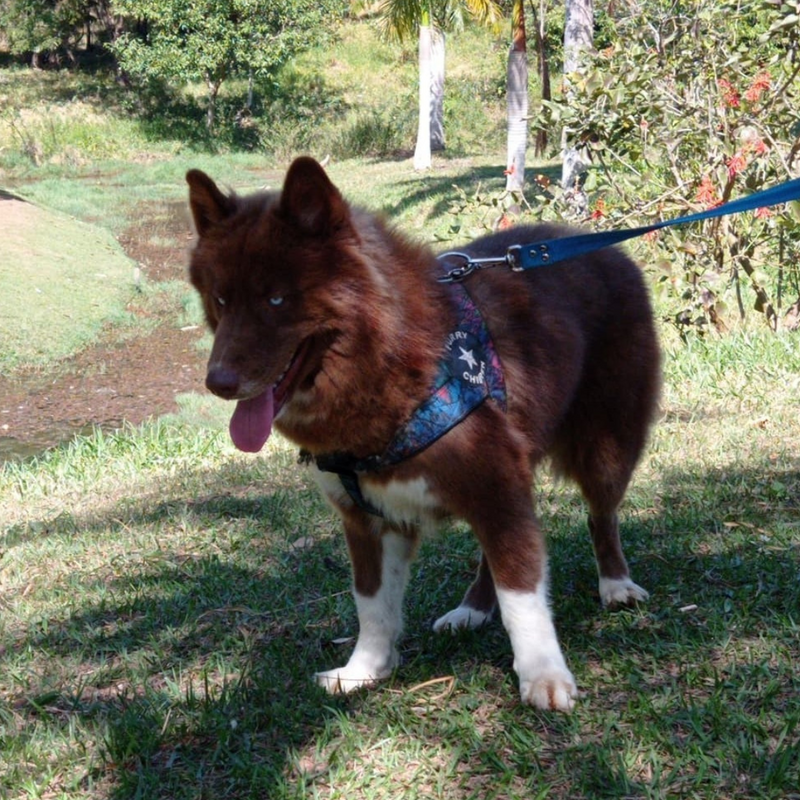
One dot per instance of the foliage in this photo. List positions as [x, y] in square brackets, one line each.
[38, 25]
[177, 42]
[54, 28]
[402, 18]
[692, 109]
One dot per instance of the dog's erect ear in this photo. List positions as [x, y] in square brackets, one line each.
[209, 205]
[310, 201]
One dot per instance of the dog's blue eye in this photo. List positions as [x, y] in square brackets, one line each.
[275, 301]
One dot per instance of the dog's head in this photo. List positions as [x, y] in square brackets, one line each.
[273, 270]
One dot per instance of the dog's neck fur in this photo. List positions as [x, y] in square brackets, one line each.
[392, 360]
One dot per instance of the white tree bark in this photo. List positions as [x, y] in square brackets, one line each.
[517, 106]
[437, 89]
[578, 37]
[422, 152]
[578, 33]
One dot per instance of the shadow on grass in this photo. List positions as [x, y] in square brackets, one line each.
[430, 186]
[193, 668]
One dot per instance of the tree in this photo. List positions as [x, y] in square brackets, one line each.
[51, 28]
[578, 38]
[517, 100]
[691, 109]
[211, 40]
[542, 67]
[429, 19]
[422, 151]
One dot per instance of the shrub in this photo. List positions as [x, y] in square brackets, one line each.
[692, 109]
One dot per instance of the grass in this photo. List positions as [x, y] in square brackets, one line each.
[167, 598]
[51, 302]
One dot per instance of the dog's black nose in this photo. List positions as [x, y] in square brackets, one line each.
[223, 382]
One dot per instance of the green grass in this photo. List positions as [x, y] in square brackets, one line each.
[166, 599]
[61, 282]
[76, 279]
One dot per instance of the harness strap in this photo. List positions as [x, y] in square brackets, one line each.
[469, 373]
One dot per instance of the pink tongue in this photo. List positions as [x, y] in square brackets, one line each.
[251, 423]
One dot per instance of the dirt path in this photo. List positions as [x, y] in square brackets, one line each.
[112, 382]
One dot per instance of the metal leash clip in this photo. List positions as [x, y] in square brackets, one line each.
[469, 265]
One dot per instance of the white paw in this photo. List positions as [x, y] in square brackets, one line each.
[344, 680]
[355, 674]
[621, 592]
[461, 618]
[551, 689]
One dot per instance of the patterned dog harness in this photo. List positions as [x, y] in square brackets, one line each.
[469, 372]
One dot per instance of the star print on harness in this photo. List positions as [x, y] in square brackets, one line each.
[469, 372]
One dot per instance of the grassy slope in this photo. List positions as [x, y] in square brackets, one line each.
[60, 281]
[164, 599]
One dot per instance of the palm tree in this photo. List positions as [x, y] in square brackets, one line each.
[542, 67]
[422, 151]
[429, 19]
[517, 100]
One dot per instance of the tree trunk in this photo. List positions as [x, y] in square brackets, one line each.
[517, 101]
[578, 37]
[211, 107]
[578, 33]
[422, 152]
[543, 68]
[437, 89]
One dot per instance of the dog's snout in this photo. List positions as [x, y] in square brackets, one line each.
[223, 382]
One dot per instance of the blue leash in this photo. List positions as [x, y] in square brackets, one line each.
[520, 257]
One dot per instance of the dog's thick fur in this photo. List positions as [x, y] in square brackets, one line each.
[333, 324]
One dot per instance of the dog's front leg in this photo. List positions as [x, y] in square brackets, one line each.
[544, 678]
[380, 558]
[514, 549]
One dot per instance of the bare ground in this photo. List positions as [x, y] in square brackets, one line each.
[113, 381]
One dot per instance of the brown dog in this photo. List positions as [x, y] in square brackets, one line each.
[416, 399]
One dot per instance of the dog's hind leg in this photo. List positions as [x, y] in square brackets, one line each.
[477, 606]
[615, 584]
[380, 558]
[602, 463]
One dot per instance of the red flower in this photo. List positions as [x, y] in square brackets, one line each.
[763, 213]
[599, 209]
[761, 83]
[730, 96]
[759, 147]
[651, 236]
[504, 223]
[706, 194]
[737, 162]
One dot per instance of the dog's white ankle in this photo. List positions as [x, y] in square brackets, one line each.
[544, 679]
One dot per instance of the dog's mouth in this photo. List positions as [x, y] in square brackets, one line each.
[251, 423]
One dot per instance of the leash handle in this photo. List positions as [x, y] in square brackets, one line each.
[551, 251]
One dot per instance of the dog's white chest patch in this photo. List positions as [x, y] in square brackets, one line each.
[405, 501]
[408, 501]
